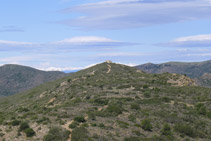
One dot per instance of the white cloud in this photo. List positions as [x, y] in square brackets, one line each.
[120, 14]
[200, 54]
[11, 29]
[65, 68]
[118, 54]
[190, 41]
[84, 39]
[206, 37]
[15, 59]
[81, 43]
[129, 64]
[60, 68]
[12, 43]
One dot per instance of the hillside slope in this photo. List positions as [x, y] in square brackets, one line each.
[109, 102]
[194, 70]
[15, 78]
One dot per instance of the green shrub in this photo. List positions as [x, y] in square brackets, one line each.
[85, 125]
[91, 116]
[114, 110]
[21, 109]
[135, 106]
[43, 119]
[23, 126]
[123, 86]
[1, 135]
[166, 99]
[122, 124]
[209, 114]
[29, 132]
[57, 134]
[79, 134]
[69, 80]
[132, 118]
[73, 125]
[146, 125]
[166, 131]
[100, 101]
[147, 94]
[131, 139]
[201, 109]
[145, 86]
[137, 133]
[76, 100]
[101, 125]
[93, 124]
[185, 130]
[79, 119]
[15, 122]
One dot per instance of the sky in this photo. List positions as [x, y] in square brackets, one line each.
[75, 34]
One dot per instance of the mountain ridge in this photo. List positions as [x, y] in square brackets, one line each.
[194, 70]
[109, 102]
[16, 78]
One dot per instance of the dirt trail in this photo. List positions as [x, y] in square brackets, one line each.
[187, 104]
[66, 126]
[109, 68]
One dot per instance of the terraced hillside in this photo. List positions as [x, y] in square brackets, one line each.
[16, 78]
[109, 102]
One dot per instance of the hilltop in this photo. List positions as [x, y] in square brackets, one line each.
[195, 70]
[16, 78]
[109, 102]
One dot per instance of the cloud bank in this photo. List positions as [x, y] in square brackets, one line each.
[11, 29]
[80, 43]
[124, 14]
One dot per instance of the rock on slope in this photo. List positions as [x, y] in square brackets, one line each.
[15, 78]
[109, 102]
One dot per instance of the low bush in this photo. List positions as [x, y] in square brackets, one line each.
[146, 125]
[101, 125]
[166, 99]
[185, 130]
[57, 134]
[100, 101]
[79, 119]
[23, 126]
[29, 132]
[73, 125]
[201, 109]
[15, 122]
[43, 119]
[135, 106]
[122, 124]
[114, 110]
[91, 116]
[79, 134]
[132, 118]
[166, 131]
[132, 139]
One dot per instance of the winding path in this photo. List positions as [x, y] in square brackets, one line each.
[66, 126]
[109, 68]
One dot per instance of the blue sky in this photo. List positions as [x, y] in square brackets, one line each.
[73, 34]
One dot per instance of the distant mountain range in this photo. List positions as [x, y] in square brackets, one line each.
[16, 78]
[109, 102]
[199, 71]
